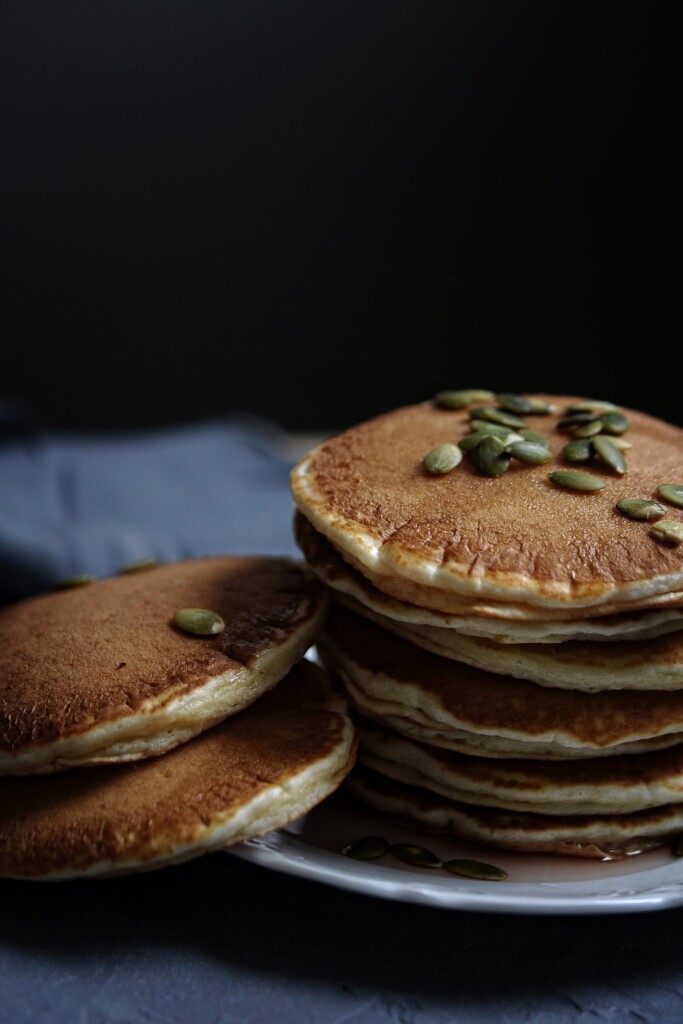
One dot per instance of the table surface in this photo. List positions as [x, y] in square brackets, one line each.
[220, 939]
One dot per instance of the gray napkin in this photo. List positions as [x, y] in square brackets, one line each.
[72, 504]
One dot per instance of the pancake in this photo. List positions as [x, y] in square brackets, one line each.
[613, 785]
[99, 673]
[602, 837]
[253, 773]
[653, 664]
[515, 539]
[393, 681]
[354, 589]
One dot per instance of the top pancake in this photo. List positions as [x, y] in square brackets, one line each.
[516, 538]
[100, 674]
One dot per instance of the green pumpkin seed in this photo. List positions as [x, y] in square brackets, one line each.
[367, 848]
[641, 508]
[493, 415]
[460, 399]
[490, 456]
[470, 441]
[442, 458]
[527, 451]
[577, 419]
[540, 408]
[672, 493]
[668, 530]
[139, 566]
[495, 430]
[73, 581]
[576, 481]
[614, 422]
[590, 406]
[590, 429]
[609, 454]
[535, 437]
[580, 450]
[475, 869]
[619, 443]
[677, 847]
[514, 403]
[522, 405]
[417, 855]
[199, 621]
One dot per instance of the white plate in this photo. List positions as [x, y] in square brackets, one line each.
[536, 884]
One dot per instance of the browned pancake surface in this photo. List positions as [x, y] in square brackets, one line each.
[96, 653]
[484, 701]
[517, 530]
[142, 812]
[603, 836]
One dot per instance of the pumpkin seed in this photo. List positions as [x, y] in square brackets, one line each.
[576, 481]
[470, 441]
[527, 451]
[668, 530]
[534, 436]
[580, 450]
[591, 406]
[589, 429]
[442, 458]
[514, 403]
[460, 399]
[619, 442]
[614, 422]
[493, 415]
[541, 408]
[367, 848]
[417, 855]
[641, 508]
[576, 419]
[200, 621]
[73, 581]
[609, 454]
[475, 869]
[672, 493]
[490, 456]
[495, 430]
[140, 566]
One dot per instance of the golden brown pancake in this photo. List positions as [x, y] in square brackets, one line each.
[604, 785]
[255, 772]
[514, 539]
[463, 708]
[602, 837]
[651, 664]
[353, 588]
[100, 673]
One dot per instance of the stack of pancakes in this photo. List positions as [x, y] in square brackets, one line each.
[127, 743]
[512, 647]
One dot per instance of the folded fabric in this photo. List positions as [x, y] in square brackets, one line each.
[76, 504]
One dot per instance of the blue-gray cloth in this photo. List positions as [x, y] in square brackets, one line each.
[218, 940]
[89, 504]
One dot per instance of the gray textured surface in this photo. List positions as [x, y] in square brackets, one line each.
[218, 940]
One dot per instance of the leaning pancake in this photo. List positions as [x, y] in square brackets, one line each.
[605, 785]
[254, 772]
[463, 708]
[100, 673]
[604, 836]
[652, 664]
[514, 538]
[354, 589]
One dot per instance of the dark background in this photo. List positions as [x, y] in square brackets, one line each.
[318, 211]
